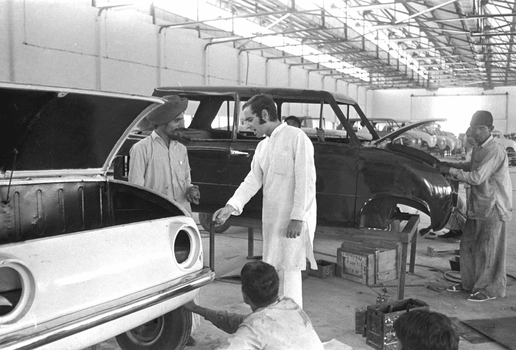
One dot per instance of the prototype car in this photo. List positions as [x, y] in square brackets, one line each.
[358, 184]
[84, 258]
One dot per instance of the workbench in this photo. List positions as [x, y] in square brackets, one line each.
[408, 235]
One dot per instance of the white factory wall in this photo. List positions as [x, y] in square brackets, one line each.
[72, 44]
[454, 104]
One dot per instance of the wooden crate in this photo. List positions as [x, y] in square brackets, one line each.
[367, 263]
[380, 320]
[325, 269]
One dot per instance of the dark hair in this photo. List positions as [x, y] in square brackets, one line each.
[259, 102]
[294, 119]
[482, 118]
[426, 330]
[260, 282]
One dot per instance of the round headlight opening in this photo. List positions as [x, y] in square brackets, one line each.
[182, 246]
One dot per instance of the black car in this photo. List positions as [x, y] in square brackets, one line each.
[359, 183]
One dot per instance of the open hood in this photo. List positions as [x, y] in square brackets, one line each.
[406, 128]
[52, 130]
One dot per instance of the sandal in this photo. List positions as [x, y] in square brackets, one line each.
[480, 297]
[455, 288]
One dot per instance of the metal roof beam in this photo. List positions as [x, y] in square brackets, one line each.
[249, 15]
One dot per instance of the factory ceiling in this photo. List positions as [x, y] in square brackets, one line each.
[378, 44]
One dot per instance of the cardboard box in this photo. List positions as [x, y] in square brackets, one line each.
[325, 269]
[380, 319]
[368, 264]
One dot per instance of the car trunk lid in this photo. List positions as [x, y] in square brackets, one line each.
[52, 131]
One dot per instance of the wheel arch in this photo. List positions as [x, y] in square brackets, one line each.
[381, 210]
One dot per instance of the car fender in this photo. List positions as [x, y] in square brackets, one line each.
[411, 182]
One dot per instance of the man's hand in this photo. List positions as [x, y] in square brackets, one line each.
[193, 307]
[294, 228]
[193, 194]
[222, 214]
[443, 168]
[321, 134]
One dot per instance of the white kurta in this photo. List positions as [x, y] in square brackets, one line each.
[284, 165]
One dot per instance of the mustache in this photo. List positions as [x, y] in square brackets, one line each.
[179, 136]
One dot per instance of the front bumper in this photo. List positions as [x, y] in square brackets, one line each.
[48, 335]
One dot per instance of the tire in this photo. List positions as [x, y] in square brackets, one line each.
[167, 332]
[205, 220]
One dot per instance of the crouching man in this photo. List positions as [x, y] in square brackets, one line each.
[274, 323]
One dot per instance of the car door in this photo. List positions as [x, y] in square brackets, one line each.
[336, 163]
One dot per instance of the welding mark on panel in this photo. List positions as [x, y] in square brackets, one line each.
[40, 214]
[81, 205]
[61, 210]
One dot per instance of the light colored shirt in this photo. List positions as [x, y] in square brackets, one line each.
[284, 165]
[282, 325]
[488, 175]
[163, 169]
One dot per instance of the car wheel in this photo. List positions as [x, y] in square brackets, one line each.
[167, 332]
[205, 220]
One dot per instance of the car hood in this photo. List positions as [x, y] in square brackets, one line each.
[400, 131]
[49, 131]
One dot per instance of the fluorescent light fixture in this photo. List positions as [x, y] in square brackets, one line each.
[203, 10]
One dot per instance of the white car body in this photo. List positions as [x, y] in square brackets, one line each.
[508, 144]
[84, 258]
[443, 141]
[427, 140]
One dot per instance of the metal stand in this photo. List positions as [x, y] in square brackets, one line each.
[407, 236]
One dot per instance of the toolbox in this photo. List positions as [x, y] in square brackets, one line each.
[379, 321]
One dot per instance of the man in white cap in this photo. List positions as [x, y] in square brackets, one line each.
[160, 162]
[483, 245]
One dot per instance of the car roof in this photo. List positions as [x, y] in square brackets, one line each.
[47, 128]
[245, 92]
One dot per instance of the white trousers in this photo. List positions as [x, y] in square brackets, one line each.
[291, 285]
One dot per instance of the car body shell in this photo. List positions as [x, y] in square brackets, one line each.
[385, 126]
[457, 141]
[357, 184]
[428, 141]
[83, 257]
[443, 142]
[508, 144]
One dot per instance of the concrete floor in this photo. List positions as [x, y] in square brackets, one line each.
[331, 302]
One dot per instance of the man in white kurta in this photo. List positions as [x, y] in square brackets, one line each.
[283, 165]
